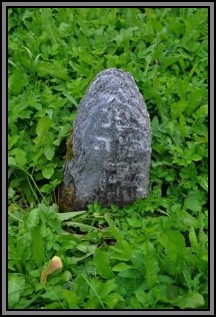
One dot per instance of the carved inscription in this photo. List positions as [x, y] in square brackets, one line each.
[111, 143]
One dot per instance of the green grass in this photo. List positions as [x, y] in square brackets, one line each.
[152, 254]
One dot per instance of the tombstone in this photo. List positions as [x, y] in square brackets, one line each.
[110, 145]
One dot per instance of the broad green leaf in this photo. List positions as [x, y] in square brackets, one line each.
[20, 157]
[135, 304]
[71, 298]
[49, 152]
[194, 201]
[53, 69]
[82, 226]
[175, 250]
[148, 299]
[49, 25]
[102, 264]
[37, 245]
[114, 231]
[11, 193]
[142, 297]
[68, 215]
[86, 248]
[99, 289]
[26, 303]
[122, 251]
[53, 292]
[122, 248]
[17, 81]
[42, 128]
[130, 273]
[167, 61]
[120, 266]
[11, 161]
[173, 291]
[202, 111]
[47, 188]
[177, 108]
[12, 140]
[71, 99]
[23, 242]
[93, 303]
[33, 218]
[53, 305]
[47, 172]
[35, 273]
[66, 276]
[112, 300]
[16, 285]
[151, 264]
[203, 181]
[205, 257]
[106, 288]
[195, 100]
[81, 287]
[191, 300]
[193, 240]
[138, 260]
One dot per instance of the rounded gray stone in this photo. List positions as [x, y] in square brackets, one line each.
[111, 145]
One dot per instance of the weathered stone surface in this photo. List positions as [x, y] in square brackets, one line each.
[111, 145]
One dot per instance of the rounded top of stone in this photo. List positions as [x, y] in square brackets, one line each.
[110, 78]
[114, 72]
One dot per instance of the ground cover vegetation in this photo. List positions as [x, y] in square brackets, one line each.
[152, 254]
